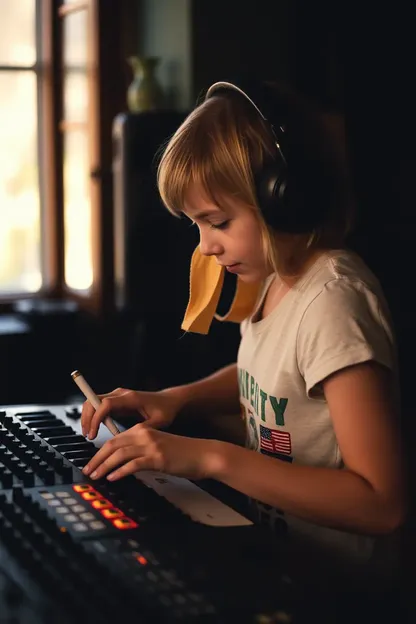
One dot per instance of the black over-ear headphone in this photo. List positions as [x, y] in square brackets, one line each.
[282, 205]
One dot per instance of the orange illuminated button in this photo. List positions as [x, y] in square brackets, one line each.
[90, 495]
[101, 503]
[82, 488]
[125, 523]
[142, 560]
[112, 513]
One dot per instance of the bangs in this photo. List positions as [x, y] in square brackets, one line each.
[210, 150]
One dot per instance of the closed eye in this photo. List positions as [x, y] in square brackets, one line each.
[220, 226]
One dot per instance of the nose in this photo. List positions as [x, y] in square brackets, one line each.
[208, 244]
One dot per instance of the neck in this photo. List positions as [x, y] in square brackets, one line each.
[297, 265]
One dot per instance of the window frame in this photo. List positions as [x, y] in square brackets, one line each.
[113, 36]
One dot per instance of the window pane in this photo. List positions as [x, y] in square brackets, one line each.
[75, 97]
[75, 61]
[75, 40]
[17, 32]
[20, 260]
[78, 247]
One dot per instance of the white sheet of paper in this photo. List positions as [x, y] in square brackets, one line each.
[192, 500]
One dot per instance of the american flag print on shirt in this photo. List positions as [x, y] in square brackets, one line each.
[274, 442]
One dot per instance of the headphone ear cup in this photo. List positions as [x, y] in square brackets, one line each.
[282, 203]
[271, 188]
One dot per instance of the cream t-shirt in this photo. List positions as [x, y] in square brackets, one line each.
[335, 316]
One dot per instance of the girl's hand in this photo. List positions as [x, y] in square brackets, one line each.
[144, 448]
[157, 408]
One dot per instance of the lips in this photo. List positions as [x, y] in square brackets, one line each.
[233, 268]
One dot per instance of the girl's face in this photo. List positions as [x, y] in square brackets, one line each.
[231, 233]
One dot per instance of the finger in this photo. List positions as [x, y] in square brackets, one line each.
[155, 420]
[135, 465]
[88, 410]
[113, 393]
[105, 451]
[86, 417]
[108, 404]
[119, 457]
[123, 439]
[98, 416]
[116, 400]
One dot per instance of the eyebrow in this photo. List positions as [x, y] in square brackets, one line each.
[204, 215]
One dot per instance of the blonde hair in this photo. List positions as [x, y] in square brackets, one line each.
[219, 148]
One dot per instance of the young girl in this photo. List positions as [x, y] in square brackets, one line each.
[316, 374]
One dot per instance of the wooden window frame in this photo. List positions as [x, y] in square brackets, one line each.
[113, 37]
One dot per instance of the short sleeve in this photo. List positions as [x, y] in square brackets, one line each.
[345, 324]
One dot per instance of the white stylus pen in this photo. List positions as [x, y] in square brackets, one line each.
[90, 395]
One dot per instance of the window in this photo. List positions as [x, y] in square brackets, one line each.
[63, 78]
[75, 125]
[20, 202]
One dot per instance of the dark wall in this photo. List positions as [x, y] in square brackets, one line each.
[379, 107]
[234, 37]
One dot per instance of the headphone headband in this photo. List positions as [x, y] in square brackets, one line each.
[281, 192]
[267, 110]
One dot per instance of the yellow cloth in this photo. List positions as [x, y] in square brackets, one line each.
[205, 282]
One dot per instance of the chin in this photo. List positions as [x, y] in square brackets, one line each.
[249, 278]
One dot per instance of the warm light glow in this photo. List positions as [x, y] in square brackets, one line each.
[78, 249]
[21, 230]
[101, 504]
[77, 201]
[82, 487]
[20, 259]
[112, 513]
[90, 495]
[125, 523]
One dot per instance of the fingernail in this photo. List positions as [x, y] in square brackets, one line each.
[86, 469]
[111, 476]
[94, 474]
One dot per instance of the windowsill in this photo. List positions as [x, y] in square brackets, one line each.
[12, 325]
